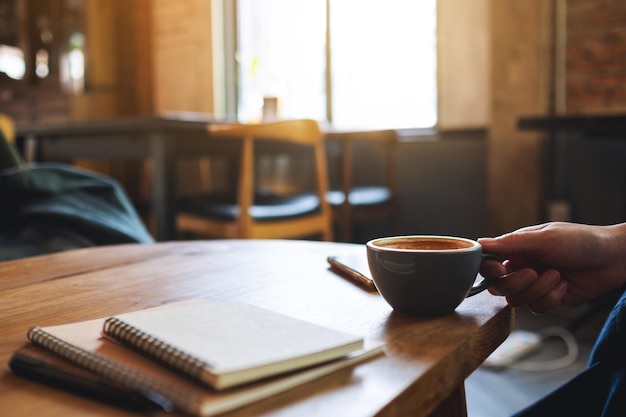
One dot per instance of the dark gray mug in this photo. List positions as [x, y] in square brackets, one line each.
[426, 275]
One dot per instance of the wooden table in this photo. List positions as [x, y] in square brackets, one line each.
[560, 129]
[162, 139]
[592, 126]
[422, 372]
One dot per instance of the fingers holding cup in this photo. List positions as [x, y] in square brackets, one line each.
[526, 287]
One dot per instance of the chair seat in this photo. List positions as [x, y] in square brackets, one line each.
[265, 208]
[360, 196]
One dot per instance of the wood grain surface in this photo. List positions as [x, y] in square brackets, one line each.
[422, 372]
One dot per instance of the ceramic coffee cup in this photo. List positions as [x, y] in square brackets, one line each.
[426, 275]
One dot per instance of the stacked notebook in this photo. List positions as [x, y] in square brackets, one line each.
[199, 357]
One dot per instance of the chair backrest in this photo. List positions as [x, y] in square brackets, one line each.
[302, 132]
[298, 131]
[385, 139]
[7, 126]
[371, 203]
[9, 155]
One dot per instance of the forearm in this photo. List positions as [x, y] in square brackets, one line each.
[618, 237]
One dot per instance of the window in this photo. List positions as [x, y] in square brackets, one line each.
[281, 55]
[357, 63]
[12, 62]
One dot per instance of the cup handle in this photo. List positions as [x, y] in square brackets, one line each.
[486, 282]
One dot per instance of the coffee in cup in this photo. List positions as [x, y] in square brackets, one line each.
[426, 275]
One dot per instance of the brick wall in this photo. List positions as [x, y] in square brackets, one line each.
[596, 56]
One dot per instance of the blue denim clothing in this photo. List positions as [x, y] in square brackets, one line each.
[600, 390]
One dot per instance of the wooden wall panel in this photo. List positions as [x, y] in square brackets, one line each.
[520, 75]
[118, 77]
[183, 56]
[118, 80]
[463, 61]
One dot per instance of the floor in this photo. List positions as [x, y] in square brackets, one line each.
[501, 392]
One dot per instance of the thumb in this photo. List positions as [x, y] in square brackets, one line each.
[521, 241]
[497, 245]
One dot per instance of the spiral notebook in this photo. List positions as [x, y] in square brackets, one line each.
[228, 343]
[82, 344]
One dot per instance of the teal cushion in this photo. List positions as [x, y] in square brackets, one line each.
[49, 207]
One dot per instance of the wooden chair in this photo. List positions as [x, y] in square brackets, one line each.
[7, 126]
[9, 155]
[247, 210]
[366, 202]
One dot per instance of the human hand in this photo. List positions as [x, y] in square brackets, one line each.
[557, 264]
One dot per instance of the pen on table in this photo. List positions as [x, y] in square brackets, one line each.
[351, 273]
[93, 387]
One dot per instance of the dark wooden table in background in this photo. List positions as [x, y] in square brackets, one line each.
[161, 139]
[560, 128]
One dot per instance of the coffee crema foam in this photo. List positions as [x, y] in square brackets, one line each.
[423, 244]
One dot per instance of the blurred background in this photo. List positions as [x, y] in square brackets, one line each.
[454, 78]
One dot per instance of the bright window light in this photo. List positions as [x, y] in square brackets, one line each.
[382, 66]
[281, 55]
[12, 62]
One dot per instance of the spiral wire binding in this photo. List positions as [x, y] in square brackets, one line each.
[116, 372]
[156, 348]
